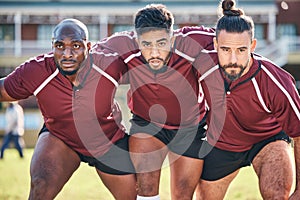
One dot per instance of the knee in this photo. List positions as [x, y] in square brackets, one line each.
[279, 194]
[275, 196]
[148, 183]
[198, 193]
[183, 190]
[43, 187]
[38, 188]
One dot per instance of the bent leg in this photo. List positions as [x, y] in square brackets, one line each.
[215, 190]
[273, 166]
[147, 154]
[185, 174]
[122, 187]
[52, 164]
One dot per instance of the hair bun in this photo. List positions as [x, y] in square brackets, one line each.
[229, 9]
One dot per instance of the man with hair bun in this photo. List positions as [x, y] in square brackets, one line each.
[253, 113]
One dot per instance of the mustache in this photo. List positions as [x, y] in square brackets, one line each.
[232, 65]
[156, 59]
[68, 60]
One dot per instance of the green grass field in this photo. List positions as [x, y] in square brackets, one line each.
[85, 184]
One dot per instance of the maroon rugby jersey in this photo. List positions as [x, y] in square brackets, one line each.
[169, 98]
[86, 117]
[254, 107]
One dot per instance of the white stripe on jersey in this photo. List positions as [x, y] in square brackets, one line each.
[297, 112]
[259, 95]
[109, 77]
[132, 56]
[46, 82]
[105, 54]
[119, 34]
[208, 51]
[260, 57]
[194, 32]
[211, 70]
[184, 55]
[41, 59]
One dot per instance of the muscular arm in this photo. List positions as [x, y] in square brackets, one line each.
[3, 94]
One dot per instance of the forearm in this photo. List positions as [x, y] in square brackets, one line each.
[297, 160]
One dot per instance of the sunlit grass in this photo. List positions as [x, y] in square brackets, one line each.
[85, 184]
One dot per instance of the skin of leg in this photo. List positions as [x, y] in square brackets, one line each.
[214, 190]
[52, 164]
[147, 154]
[185, 174]
[125, 189]
[273, 166]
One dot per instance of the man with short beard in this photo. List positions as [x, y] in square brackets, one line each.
[253, 111]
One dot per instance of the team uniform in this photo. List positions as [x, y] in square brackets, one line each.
[245, 115]
[165, 103]
[84, 117]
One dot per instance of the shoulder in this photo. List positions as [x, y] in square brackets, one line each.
[192, 40]
[187, 31]
[43, 62]
[272, 70]
[107, 60]
[123, 43]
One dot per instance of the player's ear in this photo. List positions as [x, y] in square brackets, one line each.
[215, 43]
[172, 40]
[89, 45]
[253, 45]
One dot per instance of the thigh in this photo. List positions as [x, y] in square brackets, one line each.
[219, 163]
[147, 154]
[52, 164]
[110, 161]
[185, 174]
[273, 166]
[215, 190]
[120, 186]
[187, 141]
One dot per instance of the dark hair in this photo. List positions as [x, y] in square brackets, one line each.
[234, 19]
[153, 17]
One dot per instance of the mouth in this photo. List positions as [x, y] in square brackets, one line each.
[68, 64]
[155, 63]
[231, 67]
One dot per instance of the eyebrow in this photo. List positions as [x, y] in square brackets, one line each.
[160, 40]
[225, 47]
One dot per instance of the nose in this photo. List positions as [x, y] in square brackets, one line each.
[68, 53]
[233, 57]
[154, 52]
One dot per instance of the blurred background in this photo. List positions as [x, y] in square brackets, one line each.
[26, 27]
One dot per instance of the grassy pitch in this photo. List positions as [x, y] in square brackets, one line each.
[85, 184]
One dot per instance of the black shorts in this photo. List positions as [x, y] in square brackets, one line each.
[116, 161]
[220, 163]
[185, 141]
